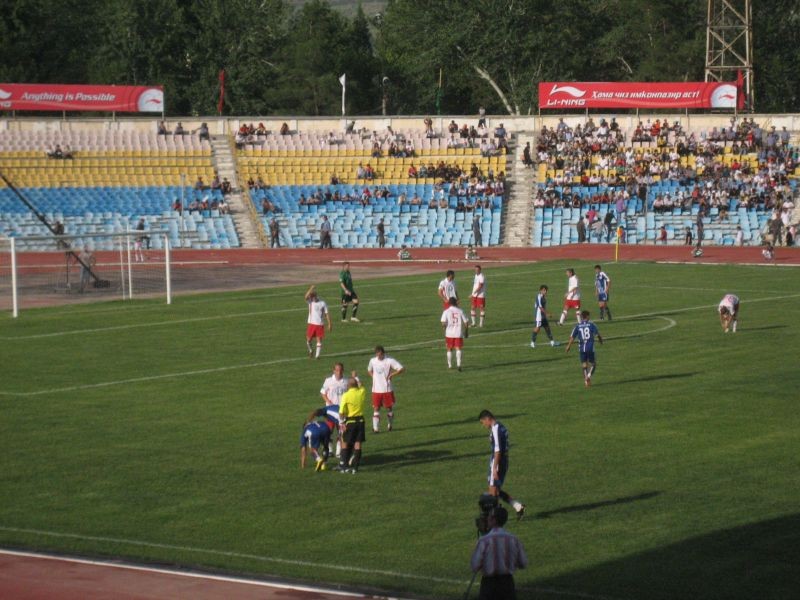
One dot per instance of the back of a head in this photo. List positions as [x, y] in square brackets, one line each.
[500, 515]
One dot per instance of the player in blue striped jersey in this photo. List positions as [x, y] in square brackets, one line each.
[585, 332]
[602, 288]
[540, 317]
[498, 463]
[330, 416]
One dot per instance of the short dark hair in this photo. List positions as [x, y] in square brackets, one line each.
[500, 515]
[453, 301]
[585, 314]
[453, 273]
[598, 267]
[543, 287]
[380, 349]
[571, 271]
[485, 414]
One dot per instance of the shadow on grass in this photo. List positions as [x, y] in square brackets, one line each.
[765, 328]
[594, 505]
[426, 443]
[465, 421]
[651, 378]
[512, 363]
[758, 560]
[415, 457]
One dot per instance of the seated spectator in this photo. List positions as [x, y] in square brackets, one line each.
[404, 254]
[415, 200]
[194, 206]
[443, 203]
[179, 129]
[392, 151]
[432, 202]
[267, 206]
[68, 153]
[199, 185]
[376, 149]
[334, 179]
[429, 128]
[226, 186]
[464, 131]
[412, 172]
[410, 150]
[204, 205]
[223, 207]
[215, 183]
[56, 152]
[423, 171]
[162, 128]
[261, 129]
[302, 201]
[361, 172]
[284, 129]
[453, 127]
[251, 184]
[369, 172]
[177, 206]
[332, 139]
[401, 199]
[260, 184]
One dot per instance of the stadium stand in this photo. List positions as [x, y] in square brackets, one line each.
[426, 189]
[100, 181]
[742, 176]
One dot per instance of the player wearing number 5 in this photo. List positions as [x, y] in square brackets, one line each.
[456, 327]
[585, 332]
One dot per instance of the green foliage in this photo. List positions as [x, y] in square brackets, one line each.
[669, 478]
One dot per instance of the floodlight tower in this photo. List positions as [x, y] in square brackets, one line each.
[729, 44]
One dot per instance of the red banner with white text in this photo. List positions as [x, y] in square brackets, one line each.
[60, 97]
[679, 94]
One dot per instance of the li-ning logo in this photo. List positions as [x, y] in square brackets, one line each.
[4, 95]
[568, 89]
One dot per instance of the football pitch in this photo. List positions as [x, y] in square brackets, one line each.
[170, 434]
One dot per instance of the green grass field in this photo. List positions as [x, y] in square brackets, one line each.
[170, 434]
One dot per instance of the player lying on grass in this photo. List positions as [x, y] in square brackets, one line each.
[729, 312]
[314, 440]
[585, 332]
[317, 316]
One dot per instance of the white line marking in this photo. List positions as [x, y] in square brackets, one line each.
[163, 323]
[260, 558]
[188, 574]
[337, 354]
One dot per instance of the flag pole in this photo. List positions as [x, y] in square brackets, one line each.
[343, 81]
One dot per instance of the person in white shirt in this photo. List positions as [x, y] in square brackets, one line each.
[739, 236]
[478, 297]
[383, 369]
[334, 386]
[728, 310]
[456, 327]
[318, 315]
[447, 289]
[572, 299]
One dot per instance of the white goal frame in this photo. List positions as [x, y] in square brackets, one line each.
[67, 244]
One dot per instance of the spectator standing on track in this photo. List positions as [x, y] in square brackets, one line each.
[381, 227]
[274, 234]
[325, 233]
[476, 230]
[498, 554]
[88, 262]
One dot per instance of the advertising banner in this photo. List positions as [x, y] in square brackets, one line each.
[678, 94]
[58, 97]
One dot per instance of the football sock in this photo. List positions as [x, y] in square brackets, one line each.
[389, 419]
[449, 359]
[344, 312]
[483, 315]
[345, 458]
[608, 312]
[591, 369]
[308, 345]
[338, 448]
[319, 349]
[585, 373]
[355, 310]
[458, 358]
[563, 317]
[472, 318]
[533, 337]
[356, 458]
[734, 326]
[602, 313]
[549, 333]
[505, 497]
[376, 421]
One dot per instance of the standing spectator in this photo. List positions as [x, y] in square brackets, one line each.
[739, 236]
[476, 230]
[274, 233]
[325, 233]
[608, 224]
[88, 261]
[383, 369]
[351, 413]
[526, 155]
[381, 227]
[498, 461]
[498, 554]
[687, 240]
[481, 117]
[455, 325]
[580, 226]
[203, 133]
[700, 228]
[662, 235]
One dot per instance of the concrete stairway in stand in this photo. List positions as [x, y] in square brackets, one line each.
[519, 207]
[248, 228]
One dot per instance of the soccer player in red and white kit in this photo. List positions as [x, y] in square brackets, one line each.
[572, 299]
[383, 369]
[447, 289]
[478, 297]
[455, 324]
[317, 316]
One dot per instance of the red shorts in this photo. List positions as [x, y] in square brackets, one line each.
[572, 304]
[385, 399]
[315, 331]
[454, 343]
[478, 302]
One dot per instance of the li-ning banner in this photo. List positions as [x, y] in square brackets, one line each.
[108, 98]
[559, 95]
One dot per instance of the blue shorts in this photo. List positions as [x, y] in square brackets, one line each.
[602, 296]
[502, 469]
[587, 356]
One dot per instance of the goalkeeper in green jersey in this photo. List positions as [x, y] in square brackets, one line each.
[349, 295]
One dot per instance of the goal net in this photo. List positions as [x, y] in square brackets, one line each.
[54, 270]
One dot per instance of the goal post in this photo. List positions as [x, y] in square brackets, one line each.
[70, 269]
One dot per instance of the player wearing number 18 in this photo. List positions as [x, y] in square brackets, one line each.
[585, 332]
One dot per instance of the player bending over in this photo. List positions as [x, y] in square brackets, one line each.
[317, 316]
[602, 289]
[329, 415]
[498, 463]
[349, 295]
[478, 296]
[540, 317]
[585, 332]
[572, 299]
[729, 312]
[383, 369]
[456, 326]
[315, 437]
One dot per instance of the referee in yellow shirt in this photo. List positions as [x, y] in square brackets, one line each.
[351, 413]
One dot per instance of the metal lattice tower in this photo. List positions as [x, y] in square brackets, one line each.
[729, 43]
